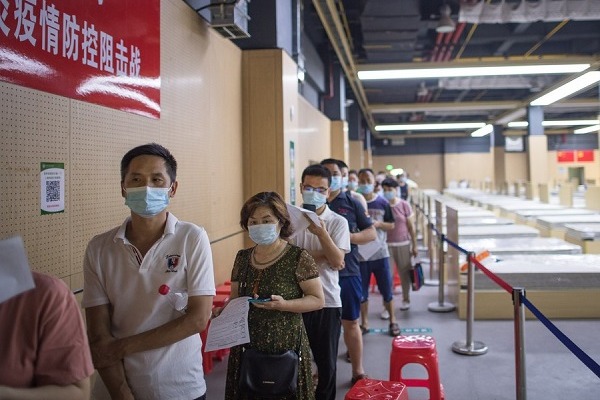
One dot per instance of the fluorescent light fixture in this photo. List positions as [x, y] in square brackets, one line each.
[568, 89]
[472, 71]
[485, 130]
[587, 129]
[575, 122]
[455, 126]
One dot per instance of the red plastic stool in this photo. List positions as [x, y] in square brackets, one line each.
[224, 289]
[375, 389]
[219, 300]
[396, 281]
[207, 357]
[417, 349]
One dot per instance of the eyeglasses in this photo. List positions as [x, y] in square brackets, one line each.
[313, 189]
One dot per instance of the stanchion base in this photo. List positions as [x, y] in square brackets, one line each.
[432, 282]
[476, 348]
[444, 307]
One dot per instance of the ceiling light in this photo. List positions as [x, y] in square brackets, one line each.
[456, 126]
[486, 130]
[445, 24]
[568, 89]
[587, 129]
[575, 122]
[472, 71]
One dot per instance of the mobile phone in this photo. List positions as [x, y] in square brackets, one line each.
[259, 300]
[310, 207]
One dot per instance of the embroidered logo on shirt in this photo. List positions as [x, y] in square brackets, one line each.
[172, 262]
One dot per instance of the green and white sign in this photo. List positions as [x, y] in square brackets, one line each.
[52, 188]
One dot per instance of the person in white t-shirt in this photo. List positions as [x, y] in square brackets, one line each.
[141, 346]
[327, 243]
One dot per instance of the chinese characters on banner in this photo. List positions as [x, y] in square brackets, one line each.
[574, 156]
[105, 52]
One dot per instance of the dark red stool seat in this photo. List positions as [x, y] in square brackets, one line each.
[375, 389]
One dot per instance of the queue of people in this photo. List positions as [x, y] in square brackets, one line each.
[312, 285]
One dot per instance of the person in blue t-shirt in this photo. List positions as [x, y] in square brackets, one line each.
[361, 232]
[377, 263]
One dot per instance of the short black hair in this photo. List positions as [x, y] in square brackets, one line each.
[390, 182]
[353, 171]
[150, 149]
[317, 170]
[343, 164]
[332, 161]
[363, 170]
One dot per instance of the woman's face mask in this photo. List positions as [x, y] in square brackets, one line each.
[263, 233]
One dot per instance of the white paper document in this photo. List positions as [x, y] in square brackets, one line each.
[15, 274]
[298, 218]
[367, 251]
[230, 328]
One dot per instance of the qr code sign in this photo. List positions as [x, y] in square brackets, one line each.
[52, 191]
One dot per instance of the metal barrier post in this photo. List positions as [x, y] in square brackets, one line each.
[469, 347]
[519, 315]
[432, 249]
[441, 305]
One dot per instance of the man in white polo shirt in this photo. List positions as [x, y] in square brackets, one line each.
[141, 346]
[328, 244]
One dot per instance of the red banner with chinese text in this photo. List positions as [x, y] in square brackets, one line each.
[105, 52]
[565, 156]
[585, 155]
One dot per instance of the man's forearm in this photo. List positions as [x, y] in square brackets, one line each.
[363, 237]
[115, 381]
[174, 331]
[76, 391]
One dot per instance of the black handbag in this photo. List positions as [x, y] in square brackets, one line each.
[269, 375]
[265, 375]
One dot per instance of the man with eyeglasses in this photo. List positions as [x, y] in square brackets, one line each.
[361, 232]
[327, 243]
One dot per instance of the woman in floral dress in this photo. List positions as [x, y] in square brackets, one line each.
[282, 272]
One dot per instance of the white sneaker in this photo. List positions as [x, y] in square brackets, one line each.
[405, 305]
[385, 314]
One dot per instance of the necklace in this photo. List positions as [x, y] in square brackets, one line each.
[271, 260]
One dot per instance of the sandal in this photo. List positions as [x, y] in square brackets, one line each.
[364, 330]
[394, 330]
[358, 378]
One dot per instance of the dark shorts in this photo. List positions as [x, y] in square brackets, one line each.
[381, 269]
[351, 297]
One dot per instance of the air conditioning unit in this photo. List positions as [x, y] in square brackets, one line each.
[229, 18]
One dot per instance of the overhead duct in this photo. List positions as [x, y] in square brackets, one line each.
[484, 12]
[228, 17]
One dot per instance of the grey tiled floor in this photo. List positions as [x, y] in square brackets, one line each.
[552, 371]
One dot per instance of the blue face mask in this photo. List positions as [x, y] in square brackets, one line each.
[344, 182]
[352, 185]
[389, 195]
[336, 183]
[365, 189]
[315, 198]
[147, 201]
[263, 233]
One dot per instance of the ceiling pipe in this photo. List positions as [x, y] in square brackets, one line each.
[328, 14]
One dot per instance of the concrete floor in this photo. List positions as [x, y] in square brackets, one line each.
[552, 371]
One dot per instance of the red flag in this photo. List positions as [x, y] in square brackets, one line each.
[565, 156]
[585, 155]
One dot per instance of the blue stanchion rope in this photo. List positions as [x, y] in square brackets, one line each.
[583, 357]
[564, 339]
